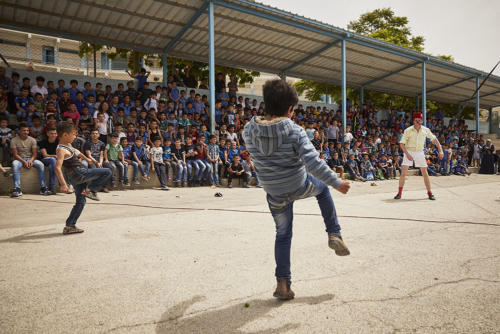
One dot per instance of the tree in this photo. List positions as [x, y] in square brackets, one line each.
[382, 24]
[200, 70]
[447, 57]
[87, 49]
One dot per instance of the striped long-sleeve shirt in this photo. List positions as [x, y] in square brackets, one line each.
[283, 154]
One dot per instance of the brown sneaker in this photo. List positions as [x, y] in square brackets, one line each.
[283, 291]
[338, 245]
[72, 230]
[92, 195]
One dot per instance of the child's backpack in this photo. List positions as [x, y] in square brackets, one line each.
[369, 175]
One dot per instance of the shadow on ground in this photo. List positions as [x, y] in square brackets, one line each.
[229, 319]
[31, 237]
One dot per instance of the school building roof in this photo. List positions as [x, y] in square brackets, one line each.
[251, 35]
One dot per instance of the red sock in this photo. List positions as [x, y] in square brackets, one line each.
[429, 193]
[400, 191]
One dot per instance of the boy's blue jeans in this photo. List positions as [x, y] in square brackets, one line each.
[51, 163]
[16, 172]
[94, 178]
[214, 172]
[181, 171]
[192, 169]
[282, 210]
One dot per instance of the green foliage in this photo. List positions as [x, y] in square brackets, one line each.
[200, 70]
[447, 57]
[88, 49]
[382, 24]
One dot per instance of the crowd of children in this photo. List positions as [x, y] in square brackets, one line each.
[164, 130]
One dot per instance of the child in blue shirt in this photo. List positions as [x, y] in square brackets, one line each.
[73, 90]
[141, 158]
[167, 158]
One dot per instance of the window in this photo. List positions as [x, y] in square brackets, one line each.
[8, 42]
[104, 61]
[75, 52]
[119, 64]
[48, 55]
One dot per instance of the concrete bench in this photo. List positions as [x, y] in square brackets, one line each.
[31, 185]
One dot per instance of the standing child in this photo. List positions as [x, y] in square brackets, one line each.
[179, 156]
[141, 157]
[79, 176]
[114, 160]
[157, 163]
[213, 158]
[167, 158]
[271, 140]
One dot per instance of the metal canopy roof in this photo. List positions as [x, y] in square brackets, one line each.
[253, 36]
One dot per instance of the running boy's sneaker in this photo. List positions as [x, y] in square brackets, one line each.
[283, 290]
[72, 230]
[16, 193]
[338, 245]
[165, 187]
[92, 195]
[398, 196]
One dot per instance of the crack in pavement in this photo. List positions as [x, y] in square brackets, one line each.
[466, 265]
[415, 293]
[410, 295]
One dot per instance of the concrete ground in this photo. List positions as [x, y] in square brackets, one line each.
[184, 261]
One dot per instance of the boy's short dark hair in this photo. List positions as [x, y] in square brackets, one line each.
[138, 139]
[211, 137]
[113, 135]
[278, 97]
[122, 139]
[65, 127]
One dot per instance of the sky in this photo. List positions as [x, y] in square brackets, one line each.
[467, 30]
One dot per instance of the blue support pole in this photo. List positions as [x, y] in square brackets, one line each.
[490, 120]
[362, 95]
[424, 94]
[165, 69]
[211, 64]
[344, 98]
[477, 105]
[181, 33]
